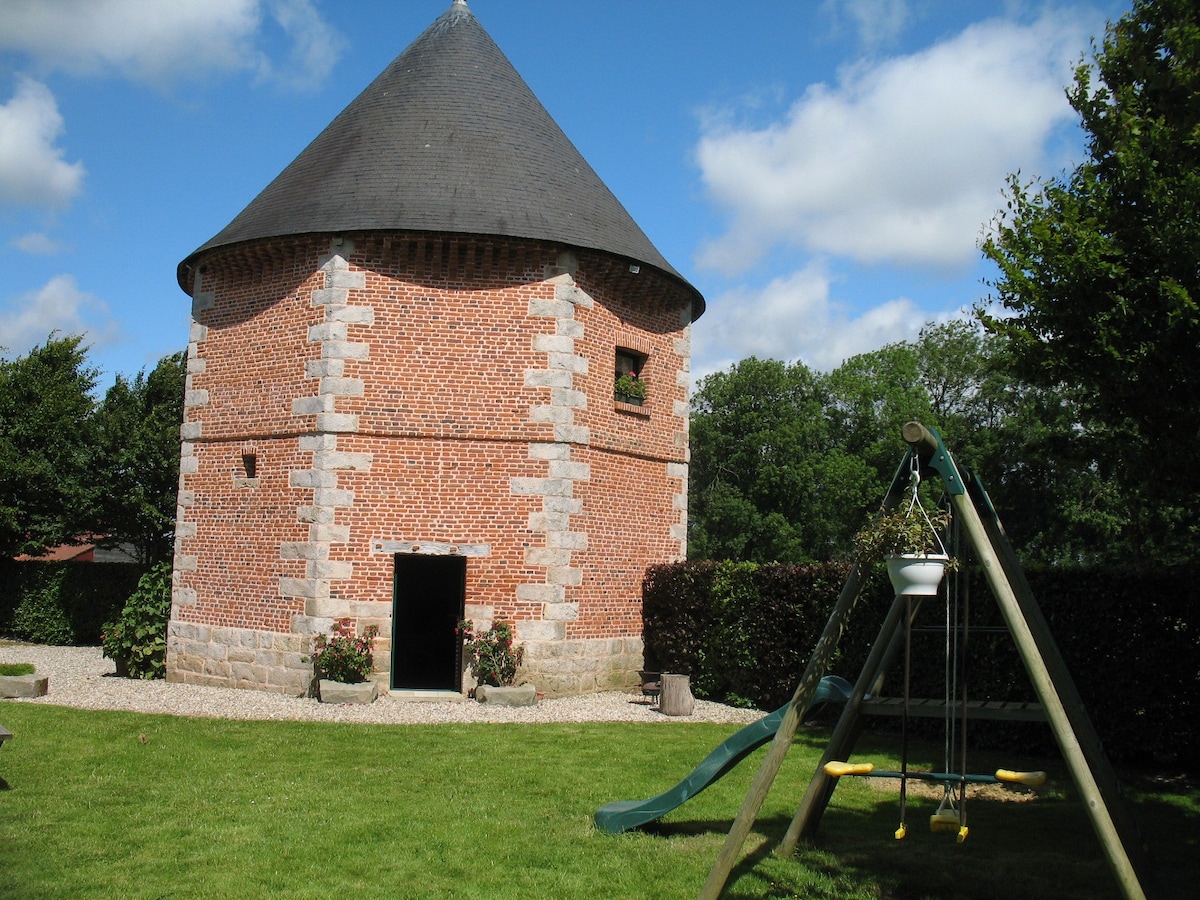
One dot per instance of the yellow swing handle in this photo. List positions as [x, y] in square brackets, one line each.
[838, 769]
[1029, 779]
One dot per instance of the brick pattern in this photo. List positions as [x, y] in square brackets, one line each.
[424, 393]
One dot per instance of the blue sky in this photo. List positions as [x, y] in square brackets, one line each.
[821, 171]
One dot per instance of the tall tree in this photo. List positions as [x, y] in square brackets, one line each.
[137, 440]
[767, 481]
[787, 463]
[47, 489]
[1099, 274]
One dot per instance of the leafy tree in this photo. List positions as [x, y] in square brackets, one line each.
[766, 478]
[1099, 275]
[47, 488]
[787, 463]
[871, 396]
[137, 439]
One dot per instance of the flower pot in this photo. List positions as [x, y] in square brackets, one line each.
[521, 695]
[917, 575]
[339, 692]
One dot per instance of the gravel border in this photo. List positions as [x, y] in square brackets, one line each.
[81, 677]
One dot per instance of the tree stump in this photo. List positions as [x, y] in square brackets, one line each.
[676, 698]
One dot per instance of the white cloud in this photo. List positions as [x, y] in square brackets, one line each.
[316, 47]
[153, 42]
[37, 244]
[58, 306]
[793, 317]
[877, 21]
[32, 169]
[901, 161]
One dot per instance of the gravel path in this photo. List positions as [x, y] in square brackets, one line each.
[81, 677]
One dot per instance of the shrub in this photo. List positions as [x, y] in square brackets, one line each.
[137, 639]
[62, 602]
[494, 659]
[1129, 640]
[344, 656]
[40, 616]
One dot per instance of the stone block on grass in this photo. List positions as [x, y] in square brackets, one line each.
[24, 686]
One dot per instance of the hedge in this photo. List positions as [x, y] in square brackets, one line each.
[744, 632]
[64, 603]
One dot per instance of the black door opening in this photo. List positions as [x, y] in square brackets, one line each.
[427, 606]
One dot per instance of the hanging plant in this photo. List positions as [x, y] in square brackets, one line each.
[898, 532]
[909, 540]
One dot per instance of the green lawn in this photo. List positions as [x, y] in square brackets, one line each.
[211, 808]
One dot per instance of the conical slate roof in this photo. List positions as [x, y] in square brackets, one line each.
[449, 138]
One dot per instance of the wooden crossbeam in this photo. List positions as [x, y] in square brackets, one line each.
[936, 709]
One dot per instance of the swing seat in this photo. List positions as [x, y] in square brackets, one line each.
[943, 822]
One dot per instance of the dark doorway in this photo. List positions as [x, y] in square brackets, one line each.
[427, 606]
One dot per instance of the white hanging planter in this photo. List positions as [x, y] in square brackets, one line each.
[916, 574]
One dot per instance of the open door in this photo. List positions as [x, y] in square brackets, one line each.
[427, 605]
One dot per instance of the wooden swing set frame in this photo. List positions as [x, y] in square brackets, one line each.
[1058, 697]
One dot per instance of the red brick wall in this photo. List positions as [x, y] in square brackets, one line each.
[430, 352]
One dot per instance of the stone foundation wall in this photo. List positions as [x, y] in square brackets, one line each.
[566, 668]
[267, 661]
[220, 656]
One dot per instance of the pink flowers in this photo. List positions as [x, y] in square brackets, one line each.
[342, 655]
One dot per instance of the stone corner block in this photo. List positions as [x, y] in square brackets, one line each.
[541, 631]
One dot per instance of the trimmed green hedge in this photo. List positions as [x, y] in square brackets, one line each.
[744, 632]
[64, 603]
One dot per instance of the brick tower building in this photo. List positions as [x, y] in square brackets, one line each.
[400, 405]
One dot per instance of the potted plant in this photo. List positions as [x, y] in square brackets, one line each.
[342, 662]
[908, 539]
[494, 659]
[628, 388]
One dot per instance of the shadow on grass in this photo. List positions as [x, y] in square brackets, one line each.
[1043, 848]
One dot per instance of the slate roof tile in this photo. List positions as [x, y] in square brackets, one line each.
[448, 138]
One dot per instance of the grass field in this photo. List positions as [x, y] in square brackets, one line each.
[110, 805]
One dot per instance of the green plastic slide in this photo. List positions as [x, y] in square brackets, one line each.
[622, 815]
